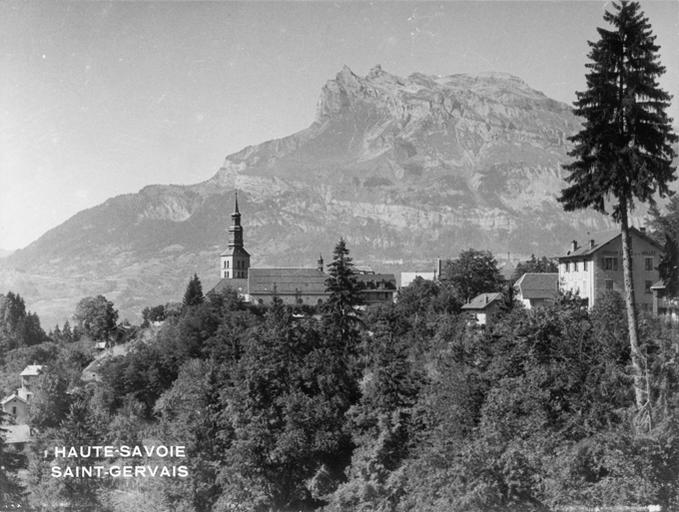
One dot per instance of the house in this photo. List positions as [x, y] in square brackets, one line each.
[29, 376]
[294, 286]
[595, 267]
[535, 289]
[376, 288]
[484, 307]
[17, 404]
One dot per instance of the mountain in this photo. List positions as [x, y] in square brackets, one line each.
[406, 169]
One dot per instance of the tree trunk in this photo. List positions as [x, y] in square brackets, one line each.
[638, 363]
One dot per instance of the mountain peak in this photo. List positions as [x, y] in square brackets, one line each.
[346, 76]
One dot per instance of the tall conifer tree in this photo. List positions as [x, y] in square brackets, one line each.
[343, 288]
[624, 151]
[194, 292]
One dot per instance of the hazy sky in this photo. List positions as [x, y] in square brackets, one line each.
[99, 99]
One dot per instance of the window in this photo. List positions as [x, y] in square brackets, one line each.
[648, 263]
[575, 266]
[568, 266]
[584, 266]
[610, 263]
[647, 286]
[609, 284]
[14, 411]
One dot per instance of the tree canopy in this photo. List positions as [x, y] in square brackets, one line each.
[194, 292]
[96, 317]
[472, 273]
[624, 150]
[535, 265]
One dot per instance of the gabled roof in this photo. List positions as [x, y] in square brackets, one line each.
[17, 434]
[11, 397]
[482, 301]
[587, 249]
[286, 281]
[31, 369]
[534, 285]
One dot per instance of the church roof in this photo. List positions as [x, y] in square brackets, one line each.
[238, 285]
[286, 281]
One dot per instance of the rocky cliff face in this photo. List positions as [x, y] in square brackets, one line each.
[406, 169]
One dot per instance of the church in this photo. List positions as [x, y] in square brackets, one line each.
[294, 286]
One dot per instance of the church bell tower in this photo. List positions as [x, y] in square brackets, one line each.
[235, 261]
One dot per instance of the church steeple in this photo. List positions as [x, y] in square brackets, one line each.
[236, 230]
[235, 261]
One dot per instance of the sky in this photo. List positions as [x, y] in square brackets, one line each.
[99, 99]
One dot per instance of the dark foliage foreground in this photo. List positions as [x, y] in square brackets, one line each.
[405, 407]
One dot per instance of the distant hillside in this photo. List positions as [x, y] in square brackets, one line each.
[406, 169]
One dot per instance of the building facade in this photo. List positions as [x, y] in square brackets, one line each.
[484, 308]
[595, 267]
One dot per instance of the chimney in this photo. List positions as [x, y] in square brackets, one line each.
[574, 245]
[642, 229]
[486, 297]
[591, 244]
[439, 264]
[319, 263]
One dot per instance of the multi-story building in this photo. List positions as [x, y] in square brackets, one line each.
[595, 267]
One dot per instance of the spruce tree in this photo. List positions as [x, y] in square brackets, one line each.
[624, 151]
[341, 318]
[194, 292]
[341, 283]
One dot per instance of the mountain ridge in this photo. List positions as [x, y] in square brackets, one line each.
[406, 169]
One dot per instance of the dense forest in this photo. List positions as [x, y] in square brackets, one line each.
[406, 406]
